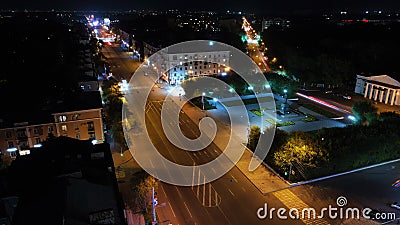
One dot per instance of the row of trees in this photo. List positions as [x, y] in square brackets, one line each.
[112, 98]
[324, 52]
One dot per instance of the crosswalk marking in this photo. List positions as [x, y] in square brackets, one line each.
[291, 201]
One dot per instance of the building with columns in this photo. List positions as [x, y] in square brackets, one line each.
[381, 88]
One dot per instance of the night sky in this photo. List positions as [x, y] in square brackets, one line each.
[242, 5]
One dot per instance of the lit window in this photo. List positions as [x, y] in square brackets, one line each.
[63, 118]
[13, 154]
[64, 127]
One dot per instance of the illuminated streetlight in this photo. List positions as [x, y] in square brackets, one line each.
[202, 99]
[215, 100]
[285, 91]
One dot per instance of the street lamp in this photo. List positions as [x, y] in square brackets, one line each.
[285, 91]
[215, 100]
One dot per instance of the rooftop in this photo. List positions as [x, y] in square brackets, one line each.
[60, 183]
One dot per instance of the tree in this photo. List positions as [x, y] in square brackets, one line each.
[142, 185]
[112, 109]
[365, 112]
[253, 137]
[300, 151]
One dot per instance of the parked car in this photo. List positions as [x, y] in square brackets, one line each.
[347, 97]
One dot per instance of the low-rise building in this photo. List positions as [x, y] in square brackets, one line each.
[66, 181]
[381, 88]
[79, 117]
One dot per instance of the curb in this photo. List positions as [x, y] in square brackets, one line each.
[343, 173]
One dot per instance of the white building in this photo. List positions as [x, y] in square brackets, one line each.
[380, 88]
[184, 65]
[278, 22]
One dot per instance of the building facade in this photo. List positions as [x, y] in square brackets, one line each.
[79, 116]
[81, 124]
[380, 88]
[278, 22]
[185, 65]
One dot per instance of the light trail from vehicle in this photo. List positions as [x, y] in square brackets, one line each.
[324, 103]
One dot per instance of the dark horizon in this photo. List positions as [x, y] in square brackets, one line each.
[250, 6]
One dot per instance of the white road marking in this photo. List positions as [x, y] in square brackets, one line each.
[187, 208]
[234, 178]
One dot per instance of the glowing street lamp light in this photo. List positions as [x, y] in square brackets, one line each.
[285, 91]
[202, 99]
[215, 100]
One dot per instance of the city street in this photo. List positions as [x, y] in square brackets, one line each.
[121, 62]
[221, 202]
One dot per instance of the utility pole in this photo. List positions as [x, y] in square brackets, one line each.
[154, 205]
[291, 164]
[202, 99]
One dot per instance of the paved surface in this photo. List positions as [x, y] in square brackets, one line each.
[195, 205]
[240, 193]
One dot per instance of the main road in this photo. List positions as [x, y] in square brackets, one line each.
[233, 199]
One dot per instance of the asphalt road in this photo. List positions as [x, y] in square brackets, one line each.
[234, 199]
[121, 62]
